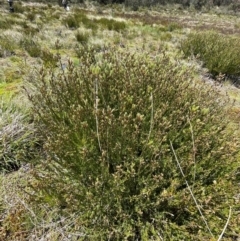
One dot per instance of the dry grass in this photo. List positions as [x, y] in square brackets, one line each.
[22, 219]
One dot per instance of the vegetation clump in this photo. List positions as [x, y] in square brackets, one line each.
[112, 24]
[17, 136]
[74, 21]
[80, 18]
[82, 37]
[125, 138]
[8, 45]
[49, 59]
[4, 24]
[219, 53]
[18, 7]
[31, 46]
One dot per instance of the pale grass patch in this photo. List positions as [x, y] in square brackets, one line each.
[13, 34]
[38, 221]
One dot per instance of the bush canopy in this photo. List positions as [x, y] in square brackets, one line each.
[116, 128]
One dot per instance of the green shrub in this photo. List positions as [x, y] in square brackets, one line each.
[166, 36]
[74, 21]
[90, 24]
[82, 37]
[31, 16]
[173, 26]
[18, 7]
[219, 53]
[31, 46]
[112, 24]
[71, 22]
[49, 59]
[108, 125]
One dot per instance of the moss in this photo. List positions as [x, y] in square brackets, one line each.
[7, 90]
[12, 75]
[16, 59]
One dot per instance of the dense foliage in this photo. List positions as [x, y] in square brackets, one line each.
[219, 53]
[116, 129]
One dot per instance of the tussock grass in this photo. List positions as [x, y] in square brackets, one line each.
[19, 8]
[82, 37]
[4, 24]
[112, 24]
[31, 46]
[31, 16]
[17, 134]
[8, 45]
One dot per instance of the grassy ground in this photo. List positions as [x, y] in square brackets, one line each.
[37, 33]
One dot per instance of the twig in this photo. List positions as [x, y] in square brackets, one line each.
[160, 236]
[151, 123]
[96, 108]
[194, 150]
[198, 207]
[224, 229]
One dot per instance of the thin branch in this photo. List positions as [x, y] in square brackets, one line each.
[224, 229]
[160, 236]
[194, 149]
[151, 123]
[96, 109]
[198, 207]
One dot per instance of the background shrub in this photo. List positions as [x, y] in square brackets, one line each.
[31, 16]
[112, 24]
[31, 46]
[74, 21]
[173, 26]
[49, 59]
[108, 125]
[71, 22]
[219, 53]
[78, 18]
[18, 7]
[82, 36]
